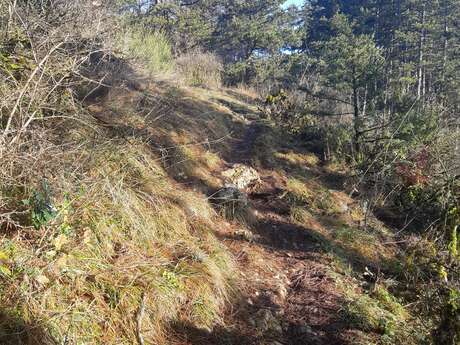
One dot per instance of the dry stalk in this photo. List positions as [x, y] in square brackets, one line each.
[139, 317]
[24, 89]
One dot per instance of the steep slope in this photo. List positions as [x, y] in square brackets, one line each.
[317, 268]
[138, 248]
[100, 245]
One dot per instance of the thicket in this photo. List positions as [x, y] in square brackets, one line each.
[384, 92]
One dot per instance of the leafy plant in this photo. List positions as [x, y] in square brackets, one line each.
[42, 209]
[170, 280]
[454, 243]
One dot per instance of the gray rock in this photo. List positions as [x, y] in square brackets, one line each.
[342, 207]
[281, 291]
[232, 199]
[266, 322]
[306, 330]
[245, 234]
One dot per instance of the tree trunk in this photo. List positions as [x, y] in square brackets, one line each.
[364, 103]
[356, 119]
[420, 55]
[444, 53]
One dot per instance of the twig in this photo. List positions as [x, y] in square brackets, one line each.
[139, 317]
[24, 89]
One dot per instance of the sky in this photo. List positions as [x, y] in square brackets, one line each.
[293, 2]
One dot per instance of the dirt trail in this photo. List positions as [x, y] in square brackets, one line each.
[243, 150]
[290, 298]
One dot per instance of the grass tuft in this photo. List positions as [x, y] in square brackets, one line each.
[200, 69]
[151, 47]
[122, 229]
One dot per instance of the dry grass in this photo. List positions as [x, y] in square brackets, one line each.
[200, 69]
[92, 220]
[122, 229]
[299, 190]
[99, 212]
[313, 195]
[300, 159]
[152, 48]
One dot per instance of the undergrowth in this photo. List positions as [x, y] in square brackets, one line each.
[359, 249]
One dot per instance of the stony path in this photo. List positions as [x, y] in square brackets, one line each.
[289, 297]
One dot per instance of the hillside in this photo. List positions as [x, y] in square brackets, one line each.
[241, 172]
[143, 247]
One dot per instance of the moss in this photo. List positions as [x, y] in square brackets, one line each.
[366, 314]
[380, 312]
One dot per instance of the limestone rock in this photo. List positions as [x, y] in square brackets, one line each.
[266, 322]
[240, 176]
[245, 235]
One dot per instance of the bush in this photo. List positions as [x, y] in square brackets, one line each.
[200, 69]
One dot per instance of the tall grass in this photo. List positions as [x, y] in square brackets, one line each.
[200, 69]
[122, 233]
[91, 226]
[151, 47]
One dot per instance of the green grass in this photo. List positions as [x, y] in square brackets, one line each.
[375, 312]
[299, 192]
[151, 47]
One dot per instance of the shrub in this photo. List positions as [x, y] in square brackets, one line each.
[200, 69]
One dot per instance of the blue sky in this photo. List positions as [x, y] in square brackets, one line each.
[293, 2]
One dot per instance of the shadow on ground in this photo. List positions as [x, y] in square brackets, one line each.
[187, 334]
[311, 312]
[16, 331]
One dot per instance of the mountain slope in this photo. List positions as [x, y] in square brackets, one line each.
[133, 244]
